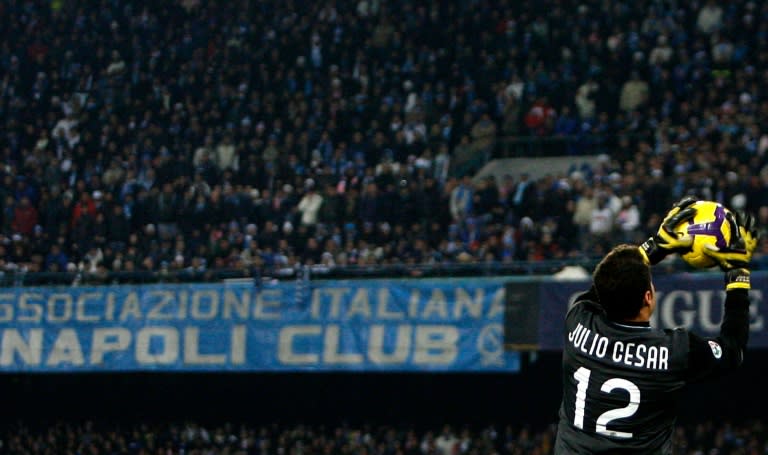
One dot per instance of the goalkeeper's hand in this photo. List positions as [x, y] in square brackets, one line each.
[666, 241]
[735, 257]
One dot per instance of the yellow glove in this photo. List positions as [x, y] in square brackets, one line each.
[738, 253]
[666, 241]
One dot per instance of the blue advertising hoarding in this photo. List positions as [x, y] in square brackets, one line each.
[691, 300]
[439, 325]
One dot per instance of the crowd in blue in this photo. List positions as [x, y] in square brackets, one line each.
[189, 136]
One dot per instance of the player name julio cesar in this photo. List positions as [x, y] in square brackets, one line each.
[633, 354]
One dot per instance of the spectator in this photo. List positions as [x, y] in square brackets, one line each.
[540, 118]
[628, 221]
[310, 204]
[566, 124]
[330, 212]
[634, 93]
[85, 207]
[586, 205]
[601, 225]
[442, 164]
[463, 155]
[118, 226]
[484, 135]
[710, 18]
[461, 199]
[446, 442]
[56, 260]
[369, 205]
[662, 53]
[226, 158]
[522, 199]
[585, 99]
[25, 217]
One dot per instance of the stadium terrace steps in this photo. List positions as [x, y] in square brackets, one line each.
[535, 167]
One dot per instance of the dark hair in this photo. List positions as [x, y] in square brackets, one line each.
[621, 280]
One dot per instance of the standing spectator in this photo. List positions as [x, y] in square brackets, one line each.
[25, 217]
[540, 118]
[369, 205]
[523, 198]
[84, 207]
[585, 99]
[56, 260]
[461, 199]
[586, 203]
[226, 158]
[601, 225]
[433, 205]
[446, 442]
[204, 152]
[486, 199]
[406, 206]
[628, 220]
[463, 157]
[167, 211]
[310, 203]
[118, 227]
[566, 124]
[484, 136]
[634, 93]
[9, 209]
[442, 163]
[662, 53]
[656, 193]
[510, 111]
[710, 18]
[331, 213]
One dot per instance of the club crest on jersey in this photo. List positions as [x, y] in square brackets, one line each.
[717, 351]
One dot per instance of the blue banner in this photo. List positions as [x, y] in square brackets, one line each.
[360, 325]
[691, 300]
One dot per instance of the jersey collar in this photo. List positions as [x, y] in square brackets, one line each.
[632, 325]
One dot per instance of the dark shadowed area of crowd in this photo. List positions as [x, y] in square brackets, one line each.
[322, 410]
[189, 438]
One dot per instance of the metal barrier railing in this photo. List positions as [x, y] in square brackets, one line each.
[301, 273]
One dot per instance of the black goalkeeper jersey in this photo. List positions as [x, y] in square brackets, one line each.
[621, 382]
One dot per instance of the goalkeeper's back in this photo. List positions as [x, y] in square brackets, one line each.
[621, 377]
[621, 383]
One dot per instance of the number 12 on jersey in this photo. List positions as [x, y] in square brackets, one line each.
[609, 386]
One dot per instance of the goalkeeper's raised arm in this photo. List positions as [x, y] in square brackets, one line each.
[710, 356]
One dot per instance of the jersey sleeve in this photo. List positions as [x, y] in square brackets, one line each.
[712, 356]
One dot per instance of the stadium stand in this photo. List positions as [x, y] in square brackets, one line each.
[183, 137]
[195, 140]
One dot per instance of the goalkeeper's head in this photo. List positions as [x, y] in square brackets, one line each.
[623, 284]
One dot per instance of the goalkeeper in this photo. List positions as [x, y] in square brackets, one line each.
[621, 377]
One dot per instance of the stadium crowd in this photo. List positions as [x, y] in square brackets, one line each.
[722, 438]
[194, 135]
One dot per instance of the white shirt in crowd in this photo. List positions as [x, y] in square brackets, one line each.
[309, 206]
[628, 218]
[445, 443]
[602, 221]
